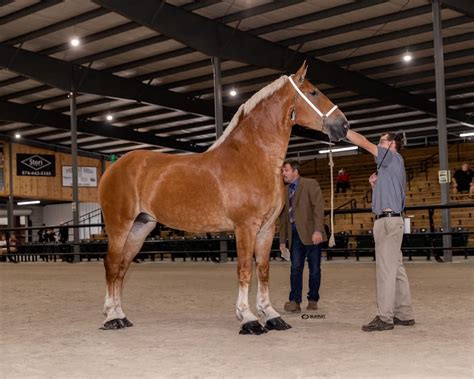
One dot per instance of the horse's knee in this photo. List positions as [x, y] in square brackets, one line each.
[245, 276]
[111, 272]
[264, 272]
[244, 268]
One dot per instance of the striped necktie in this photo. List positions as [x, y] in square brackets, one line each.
[291, 198]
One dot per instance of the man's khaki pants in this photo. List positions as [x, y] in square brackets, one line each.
[393, 289]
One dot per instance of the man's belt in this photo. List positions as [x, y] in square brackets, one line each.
[388, 214]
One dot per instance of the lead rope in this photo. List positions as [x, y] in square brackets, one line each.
[332, 241]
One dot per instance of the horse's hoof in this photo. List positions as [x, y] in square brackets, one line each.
[127, 322]
[252, 327]
[118, 323]
[277, 323]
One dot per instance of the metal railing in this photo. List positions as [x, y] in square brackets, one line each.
[86, 219]
[353, 205]
[426, 163]
[211, 247]
[414, 244]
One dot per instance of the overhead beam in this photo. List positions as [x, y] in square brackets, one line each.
[86, 39]
[331, 12]
[268, 78]
[334, 48]
[363, 24]
[390, 36]
[462, 6]
[57, 26]
[51, 146]
[311, 17]
[60, 74]
[398, 51]
[215, 39]
[28, 10]
[23, 113]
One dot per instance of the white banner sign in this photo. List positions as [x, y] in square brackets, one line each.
[87, 176]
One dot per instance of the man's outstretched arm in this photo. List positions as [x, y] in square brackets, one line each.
[361, 141]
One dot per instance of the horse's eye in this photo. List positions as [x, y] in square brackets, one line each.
[314, 93]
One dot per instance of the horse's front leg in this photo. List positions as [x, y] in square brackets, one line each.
[263, 246]
[245, 237]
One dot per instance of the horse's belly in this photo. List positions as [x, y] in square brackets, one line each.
[193, 219]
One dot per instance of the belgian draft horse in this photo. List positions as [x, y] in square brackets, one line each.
[235, 185]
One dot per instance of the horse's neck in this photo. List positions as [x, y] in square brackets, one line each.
[265, 129]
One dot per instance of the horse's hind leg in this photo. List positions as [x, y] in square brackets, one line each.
[117, 238]
[245, 237]
[263, 247]
[116, 265]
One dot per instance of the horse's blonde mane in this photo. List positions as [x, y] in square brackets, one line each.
[248, 106]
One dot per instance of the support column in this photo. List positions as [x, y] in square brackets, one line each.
[103, 167]
[216, 67]
[74, 167]
[10, 187]
[442, 128]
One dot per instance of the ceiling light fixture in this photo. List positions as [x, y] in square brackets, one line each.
[109, 117]
[348, 148]
[467, 134]
[17, 135]
[28, 202]
[233, 92]
[75, 42]
[407, 57]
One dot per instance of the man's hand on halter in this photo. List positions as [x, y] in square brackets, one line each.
[373, 179]
[317, 238]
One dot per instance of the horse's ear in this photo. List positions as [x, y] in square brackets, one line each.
[301, 73]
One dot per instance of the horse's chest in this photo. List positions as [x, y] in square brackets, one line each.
[276, 200]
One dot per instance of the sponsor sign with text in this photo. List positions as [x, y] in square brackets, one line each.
[35, 165]
[87, 176]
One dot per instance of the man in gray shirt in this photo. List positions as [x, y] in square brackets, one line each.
[388, 201]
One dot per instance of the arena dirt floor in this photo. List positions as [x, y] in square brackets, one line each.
[185, 324]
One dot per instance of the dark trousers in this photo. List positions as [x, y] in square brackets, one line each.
[342, 187]
[299, 253]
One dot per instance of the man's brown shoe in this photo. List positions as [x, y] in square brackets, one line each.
[377, 325]
[292, 306]
[312, 305]
[397, 321]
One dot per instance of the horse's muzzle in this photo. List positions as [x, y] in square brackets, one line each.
[337, 130]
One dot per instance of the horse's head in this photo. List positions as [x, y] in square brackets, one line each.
[313, 109]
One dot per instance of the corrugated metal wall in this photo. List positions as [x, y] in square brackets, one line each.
[55, 214]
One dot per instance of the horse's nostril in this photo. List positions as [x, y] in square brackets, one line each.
[346, 125]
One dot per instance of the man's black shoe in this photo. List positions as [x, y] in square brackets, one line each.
[377, 325]
[397, 321]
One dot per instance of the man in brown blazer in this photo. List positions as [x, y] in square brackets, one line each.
[302, 225]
